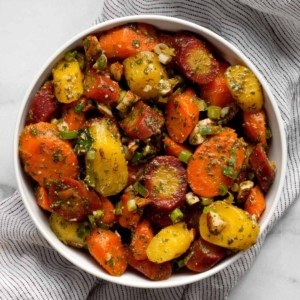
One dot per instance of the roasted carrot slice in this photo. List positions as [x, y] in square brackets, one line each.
[101, 88]
[255, 127]
[165, 181]
[129, 219]
[42, 198]
[73, 114]
[263, 168]
[142, 121]
[255, 203]
[173, 148]
[182, 115]
[44, 106]
[158, 217]
[166, 38]
[142, 235]
[134, 173]
[217, 92]
[150, 269]
[194, 59]
[70, 199]
[109, 211]
[46, 157]
[209, 164]
[106, 247]
[128, 40]
[203, 256]
[142, 202]
[91, 47]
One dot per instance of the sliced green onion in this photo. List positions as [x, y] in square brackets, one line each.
[214, 112]
[176, 215]
[80, 59]
[249, 150]
[70, 56]
[177, 264]
[68, 135]
[233, 151]
[140, 189]
[231, 161]
[235, 187]
[92, 221]
[208, 130]
[122, 95]
[185, 156]
[54, 121]
[206, 201]
[83, 230]
[98, 214]
[131, 205]
[79, 108]
[268, 133]
[202, 106]
[223, 189]
[229, 172]
[118, 208]
[91, 154]
[251, 175]
[208, 209]
[101, 62]
[90, 178]
[162, 99]
[137, 158]
[230, 198]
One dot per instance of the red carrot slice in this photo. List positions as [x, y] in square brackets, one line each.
[194, 59]
[165, 181]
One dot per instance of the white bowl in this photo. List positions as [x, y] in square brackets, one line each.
[84, 261]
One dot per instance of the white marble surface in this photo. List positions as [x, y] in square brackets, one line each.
[30, 31]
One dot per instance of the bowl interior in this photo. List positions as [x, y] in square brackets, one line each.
[85, 261]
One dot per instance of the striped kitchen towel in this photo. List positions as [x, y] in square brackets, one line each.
[268, 31]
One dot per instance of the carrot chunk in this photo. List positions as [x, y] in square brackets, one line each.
[141, 238]
[263, 168]
[44, 106]
[70, 199]
[182, 115]
[142, 122]
[255, 203]
[43, 199]
[46, 157]
[128, 40]
[128, 219]
[206, 167]
[173, 148]
[255, 127]
[106, 247]
[217, 92]
[203, 256]
[101, 88]
[150, 269]
[91, 47]
[73, 114]
[109, 211]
